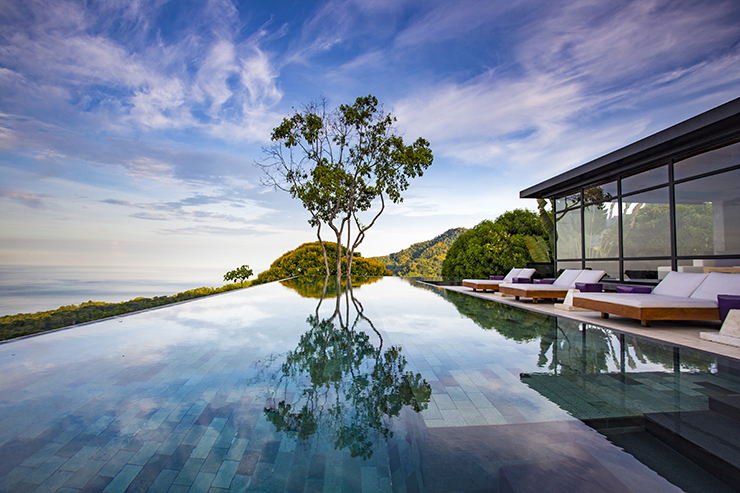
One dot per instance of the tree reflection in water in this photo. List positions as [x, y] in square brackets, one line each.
[337, 384]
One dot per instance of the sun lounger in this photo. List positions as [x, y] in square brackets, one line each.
[679, 296]
[492, 284]
[558, 289]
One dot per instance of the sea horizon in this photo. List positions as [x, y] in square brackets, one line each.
[35, 288]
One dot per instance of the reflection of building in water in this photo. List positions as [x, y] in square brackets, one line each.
[670, 201]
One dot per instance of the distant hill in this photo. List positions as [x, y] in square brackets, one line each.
[422, 259]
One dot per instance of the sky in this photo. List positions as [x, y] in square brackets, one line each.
[129, 129]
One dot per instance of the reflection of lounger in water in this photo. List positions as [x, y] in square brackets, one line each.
[558, 289]
[680, 296]
[492, 284]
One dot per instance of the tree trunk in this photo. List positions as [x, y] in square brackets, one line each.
[323, 250]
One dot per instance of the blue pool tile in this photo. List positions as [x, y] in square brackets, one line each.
[203, 447]
[44, 470]
[225, 474]
[163, 481]
[189, 471]
[239, 483]
[142, 456]
[115, 464]
[202, 482]
[196, 432]
[85, 473]
[13, 477]
[54, 482]
[81, 458]
[214, 459]
[171, 443]
[42, 455]
[122, 480]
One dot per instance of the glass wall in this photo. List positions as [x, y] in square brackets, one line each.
[601, 230]
[708, 215]
[569, 234]
[683, 215]
[645, 220]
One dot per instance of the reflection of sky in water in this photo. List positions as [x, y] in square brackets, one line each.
[202, 372]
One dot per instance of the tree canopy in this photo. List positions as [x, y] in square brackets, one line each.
[493, 247]
[307, 260]
[339, 164]
[424, 258]
[239, 274]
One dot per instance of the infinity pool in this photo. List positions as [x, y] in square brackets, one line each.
[393, 385]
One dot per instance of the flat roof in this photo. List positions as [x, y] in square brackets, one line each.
[705, 129]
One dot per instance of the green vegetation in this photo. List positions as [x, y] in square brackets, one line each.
[338, 164]
[238, 275]
[540, 249]
[493, 247]
[308, 260]
[422, 259]
[23, 324]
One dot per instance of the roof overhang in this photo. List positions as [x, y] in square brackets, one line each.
[713, 127]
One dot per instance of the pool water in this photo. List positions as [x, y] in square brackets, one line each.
[392, 385]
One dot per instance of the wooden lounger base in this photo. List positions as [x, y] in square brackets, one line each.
[475, 286]
[646, 315]
[535, 294]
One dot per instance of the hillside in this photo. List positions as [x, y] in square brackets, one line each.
[421, 259]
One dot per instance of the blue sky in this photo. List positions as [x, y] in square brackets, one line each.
[129, 129]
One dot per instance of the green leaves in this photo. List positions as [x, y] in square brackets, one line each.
[339, 163]
[240, 274]
[493, 247]
[538, 248]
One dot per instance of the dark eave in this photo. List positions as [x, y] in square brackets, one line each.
[715, 126]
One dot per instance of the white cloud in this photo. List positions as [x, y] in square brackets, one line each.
[152, 87]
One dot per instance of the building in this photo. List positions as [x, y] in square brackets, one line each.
[670, 201]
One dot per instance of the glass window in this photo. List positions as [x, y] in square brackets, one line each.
[708, 215]
[611, 267]
[705, 162]
[646, 179]
[601, 230]
[646, 270]
[605, 191]
[568, 229]
[562, 203]
[568, 265]
[646, 224]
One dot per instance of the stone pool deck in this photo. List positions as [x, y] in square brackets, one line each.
[678, 333]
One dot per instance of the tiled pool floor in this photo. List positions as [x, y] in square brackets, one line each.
[174, 399]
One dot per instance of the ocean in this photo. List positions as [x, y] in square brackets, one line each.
[29, 289]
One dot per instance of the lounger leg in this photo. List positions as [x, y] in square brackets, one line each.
[645, 323]
[516, 298]
[604, 315]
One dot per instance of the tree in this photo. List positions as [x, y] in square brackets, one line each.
[493, 247]
[339, 164]
[306, 260]
[238, 275]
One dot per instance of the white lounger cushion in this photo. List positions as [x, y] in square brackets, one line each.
[509, 277]
[589, 276]
[680, 284]
[567, 278]
[639, 300]
[525, 273]
[717, 283]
